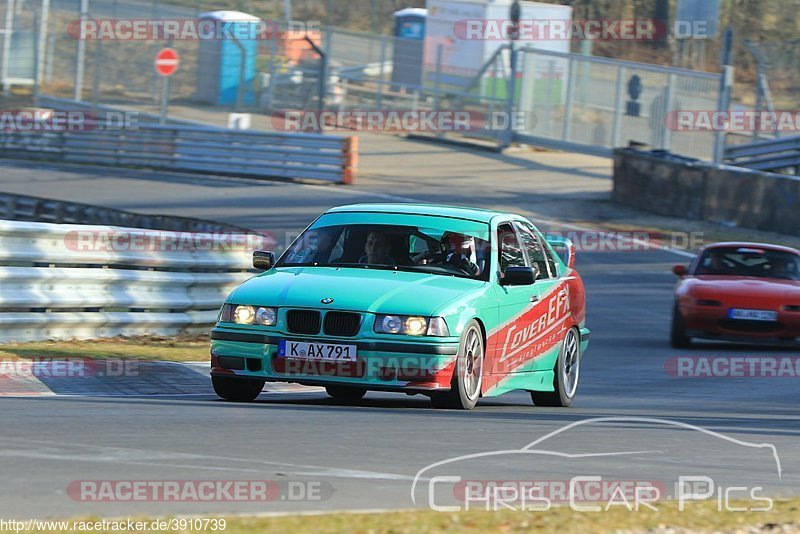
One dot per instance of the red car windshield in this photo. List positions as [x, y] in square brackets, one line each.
[746, 261]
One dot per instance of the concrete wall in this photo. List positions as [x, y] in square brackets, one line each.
[696, 190]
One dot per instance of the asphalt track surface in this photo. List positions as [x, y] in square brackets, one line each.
[366, 456]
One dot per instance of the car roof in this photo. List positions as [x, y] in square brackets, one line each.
[744, 244]
[455, 212]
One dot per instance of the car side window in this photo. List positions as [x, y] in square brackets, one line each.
[508, 246]
[535, 250]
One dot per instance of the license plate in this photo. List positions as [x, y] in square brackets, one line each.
[754, 315]
[303, 350]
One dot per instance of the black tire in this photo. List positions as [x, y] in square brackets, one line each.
[346, 393]
[237, 389]
[566, 374]
[678, 337]
[465, 388]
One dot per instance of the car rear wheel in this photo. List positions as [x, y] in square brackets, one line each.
[346, 393]
[237, 389]
[566, 374]
[465, 388]
[678, 337]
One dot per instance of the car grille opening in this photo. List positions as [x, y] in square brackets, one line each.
[303, 321]
[756, 327]
[342, 324]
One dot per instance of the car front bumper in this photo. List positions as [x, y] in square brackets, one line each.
[380, 364]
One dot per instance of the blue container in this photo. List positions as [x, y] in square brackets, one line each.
[220, 59]
[409, 47]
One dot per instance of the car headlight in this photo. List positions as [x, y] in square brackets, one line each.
[244, 315]
[411, 325]
[262, 315]
[266, 316]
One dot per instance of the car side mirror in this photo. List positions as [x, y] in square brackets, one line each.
[519, 276]
[680, 270]
[263, 260]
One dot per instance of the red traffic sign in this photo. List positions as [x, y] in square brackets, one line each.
[167, 61]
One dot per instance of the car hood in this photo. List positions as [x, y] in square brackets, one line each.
[372, 290]
[720, 287]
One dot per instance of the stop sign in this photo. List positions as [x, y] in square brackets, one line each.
[167, 61]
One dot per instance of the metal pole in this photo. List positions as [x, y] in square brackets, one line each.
[323, 74]
[162, 115]
[618, 111]
[511, 89]
[42, 42]
[81, 61]
[97, 71]
[8, 30]
[36, 54]
[287, 9]
[437, 84]
[567, 130]
[666, 138]
[381, 80]
[725, 84]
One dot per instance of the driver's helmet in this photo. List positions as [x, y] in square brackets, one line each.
[460, 244]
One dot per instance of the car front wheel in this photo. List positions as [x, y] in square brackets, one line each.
[465, 388]
[237, 389]
[678, 337]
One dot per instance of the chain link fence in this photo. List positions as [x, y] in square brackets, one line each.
[563, 100]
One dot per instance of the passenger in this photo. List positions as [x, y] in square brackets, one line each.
[376, 249]
[460, 252]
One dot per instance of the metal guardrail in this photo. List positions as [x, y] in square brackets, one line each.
[75, 281]
[187, 148]
[772, 155]
[35, 209]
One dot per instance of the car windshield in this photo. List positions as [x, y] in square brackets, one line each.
[441, 250]
[746, 261]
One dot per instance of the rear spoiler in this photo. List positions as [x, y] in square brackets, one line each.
[564, 248]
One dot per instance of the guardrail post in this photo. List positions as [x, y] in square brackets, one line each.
[350, 167]
[618, 103]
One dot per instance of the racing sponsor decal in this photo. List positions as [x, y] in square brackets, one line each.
[532, 333]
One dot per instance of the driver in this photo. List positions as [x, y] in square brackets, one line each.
[784, 268]
[376, 249]
[459, 251]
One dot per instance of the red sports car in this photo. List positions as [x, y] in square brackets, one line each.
[738, 292]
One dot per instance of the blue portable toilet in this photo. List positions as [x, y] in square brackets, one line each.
[409, 47]
[219, 65]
